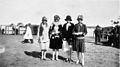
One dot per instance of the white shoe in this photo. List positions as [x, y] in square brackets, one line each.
[82, 63]
[56, 58]
[77, 62]
[53, 58]
[42, 58]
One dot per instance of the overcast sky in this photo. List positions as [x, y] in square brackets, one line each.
[95, 12]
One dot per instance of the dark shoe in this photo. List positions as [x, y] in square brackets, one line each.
[31, 40]
[22, 42]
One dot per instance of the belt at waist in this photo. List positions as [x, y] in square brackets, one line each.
[80, 37]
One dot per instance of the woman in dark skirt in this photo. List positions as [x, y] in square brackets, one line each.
[80, 30]
[55, 34]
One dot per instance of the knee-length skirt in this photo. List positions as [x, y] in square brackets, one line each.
[44, 45]
[79, 45]
[56, 43]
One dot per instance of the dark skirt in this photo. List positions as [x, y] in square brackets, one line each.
[56, 43]
[79, 45]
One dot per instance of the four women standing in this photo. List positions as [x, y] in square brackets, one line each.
[57, 34]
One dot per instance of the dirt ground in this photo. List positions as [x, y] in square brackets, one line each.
[28, 55]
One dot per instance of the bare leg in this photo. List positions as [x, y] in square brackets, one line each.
[42, 55]
[77, 58]
[70, 52]
[82, 57]
[68, 55]
[57, 54]
[53, 58]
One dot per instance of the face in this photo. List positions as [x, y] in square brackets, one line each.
[98, 27]
[80, 21]
[56, 19]
[44, 21]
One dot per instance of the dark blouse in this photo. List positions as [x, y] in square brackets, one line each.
[80, 28]
[97, 32]
[68, 33]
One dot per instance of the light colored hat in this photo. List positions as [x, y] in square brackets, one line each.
[80, 17]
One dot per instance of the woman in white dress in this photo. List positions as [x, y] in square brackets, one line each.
[43, 37]
[28, 34]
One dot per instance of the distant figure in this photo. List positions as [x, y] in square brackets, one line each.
[111, 37]
[97, 33]
[68, 36]
[15, 31]
[114, 36]
[55, 34]
[28, 37]
[80, 30]
[3, 31]
[117, 36]
[43, 37]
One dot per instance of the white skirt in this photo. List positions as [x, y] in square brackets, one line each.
[65, 46]
[44, 45]
[28, 34]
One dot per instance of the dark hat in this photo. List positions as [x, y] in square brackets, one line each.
[44, 18]
[68, 18]
[80, 17]
[116, 22]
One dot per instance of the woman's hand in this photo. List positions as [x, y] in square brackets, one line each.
[64, 39]
[78, 33]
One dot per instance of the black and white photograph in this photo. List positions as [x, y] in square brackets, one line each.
[59, 33]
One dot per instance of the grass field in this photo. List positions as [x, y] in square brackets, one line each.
[28, 55]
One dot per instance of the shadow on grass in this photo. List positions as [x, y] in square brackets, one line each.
[36, 54]
[33, 54]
